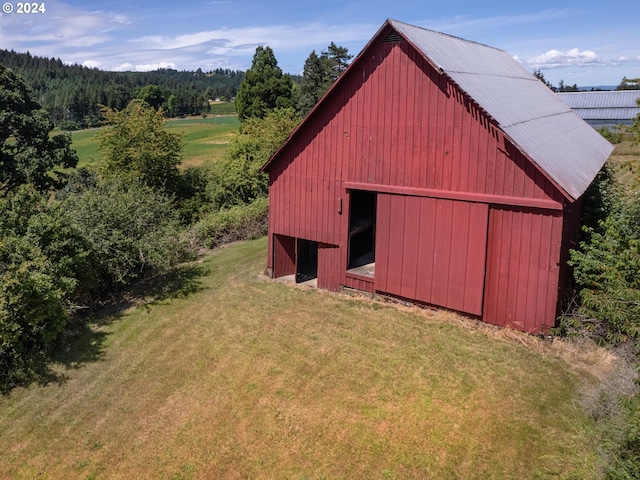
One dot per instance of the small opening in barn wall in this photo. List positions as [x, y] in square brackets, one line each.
[306, 261]
[362, 232]
[392, 37]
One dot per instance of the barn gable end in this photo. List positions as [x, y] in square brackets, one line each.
[399, 182]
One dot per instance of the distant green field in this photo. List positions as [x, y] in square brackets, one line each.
[204, 139]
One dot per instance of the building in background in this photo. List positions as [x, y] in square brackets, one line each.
[607, 109]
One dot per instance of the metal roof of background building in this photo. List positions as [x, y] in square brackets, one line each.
[618, 105]
[529, 113]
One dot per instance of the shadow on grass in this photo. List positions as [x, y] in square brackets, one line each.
[83, 340]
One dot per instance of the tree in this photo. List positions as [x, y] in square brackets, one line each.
[43, 263]
[338, 59]
[137, 148]
[28, 153]
[540, 76]
[314, 84]
[236, 177]
[264, 87]
[152, 94]
[172, 106]
[320, 72]
[629, 84]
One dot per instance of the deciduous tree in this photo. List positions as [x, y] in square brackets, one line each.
[28, 153]
[137, 148]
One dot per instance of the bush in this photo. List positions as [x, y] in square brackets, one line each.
[236, 179]
[607, 271]
[191, 196]
[43, 262]
[614, 136]
[132, 231]
[236, 223]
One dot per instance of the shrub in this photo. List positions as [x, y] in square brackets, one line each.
[228, 225]
[236, 179]
[43, 262]
[614, 136]
[607, 271]
[132, 231]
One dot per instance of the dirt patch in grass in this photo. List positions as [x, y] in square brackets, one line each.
[247, 378]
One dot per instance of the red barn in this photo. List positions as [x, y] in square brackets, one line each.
[436, 170]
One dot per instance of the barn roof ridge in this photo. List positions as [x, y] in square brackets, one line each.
[392, 21]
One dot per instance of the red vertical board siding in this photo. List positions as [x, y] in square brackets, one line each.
[441, 238]
[523, 253]
[359, 283]
[395, 120]
[368, 133]
[329, 266]
[383, 230]
[284, 253]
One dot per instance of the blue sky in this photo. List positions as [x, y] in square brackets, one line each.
[587, 42]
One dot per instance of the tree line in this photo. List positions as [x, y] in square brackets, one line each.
[73, 94]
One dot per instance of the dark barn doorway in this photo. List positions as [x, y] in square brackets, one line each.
[306, 260]
[362, 232]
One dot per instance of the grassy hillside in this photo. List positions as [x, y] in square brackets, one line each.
[227, 375]
[205, 138]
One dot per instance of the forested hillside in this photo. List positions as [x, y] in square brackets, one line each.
[72, 94]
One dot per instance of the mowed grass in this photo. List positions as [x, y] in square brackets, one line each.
[204, 139]
[226, 375]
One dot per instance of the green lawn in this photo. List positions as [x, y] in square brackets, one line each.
[227, 375]
[204, 138]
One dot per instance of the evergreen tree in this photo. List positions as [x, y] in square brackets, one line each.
[338, 58]
[264, 88]
[314, 83]
[320, 72]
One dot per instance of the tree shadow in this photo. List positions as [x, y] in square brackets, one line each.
[83, 340]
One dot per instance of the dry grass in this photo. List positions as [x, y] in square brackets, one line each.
[228, 375]
[626, 157]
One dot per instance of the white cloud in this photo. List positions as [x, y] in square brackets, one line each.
[145, 67]
[558, 58]
[91, 64]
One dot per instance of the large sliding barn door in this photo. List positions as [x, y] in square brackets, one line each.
[432, 250]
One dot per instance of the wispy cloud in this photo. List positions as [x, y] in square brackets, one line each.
[277, 36]
[64, 26]
[464, 25]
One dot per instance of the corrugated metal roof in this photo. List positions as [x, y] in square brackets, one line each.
[608, 99]
[529, 113]
[614, 105]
